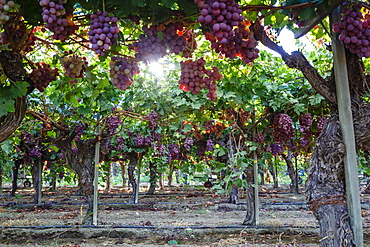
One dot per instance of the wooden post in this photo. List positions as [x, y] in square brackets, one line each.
[96, 181]
[346, 123]
[39, 179]
[255, 175]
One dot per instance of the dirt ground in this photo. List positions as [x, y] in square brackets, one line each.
[176, 216]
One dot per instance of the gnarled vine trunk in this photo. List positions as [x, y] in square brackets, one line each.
[10, 122]
[82, 162]
[325, 188]
[291, 172]
[134, 159]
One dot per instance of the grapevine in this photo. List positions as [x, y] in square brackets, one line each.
[43, 75]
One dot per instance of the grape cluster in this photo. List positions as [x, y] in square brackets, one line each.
[175, 42]
[282, 128]
[113, 122]
[276, 149]
[209, 145]
[193, 77]
[220, 16]
[305, 123]
[142, 141]
[259, 138]
[161, 149]
[153, 118]
[242, 44]
[103, 32]
[188, 143]
[43, 75]
[119, 141]
[58, 20]
[5, 8]
[354, 30]
[320, 121]
[173, 152]
[74, 66]
[158, 40]
[122, 71]
[18, 37]
[79, 130]
[150, 46]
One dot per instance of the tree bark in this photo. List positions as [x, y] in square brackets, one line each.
[123, 173]
[273, 173]
[12, 66]
[82, 163]
[153, 170]
[291, 172]
[134, 158]
[325, 187]
[250, 217]
[15, 170]
[10, 122]
[37, 180]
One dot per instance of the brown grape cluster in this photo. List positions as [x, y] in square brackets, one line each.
[193, 77]
[354, 29]
[5, 8]
[43, 75]
[159, 40]
[122, 71]
[58, 20]
[74, 66]
[103, 32]
[282, 128]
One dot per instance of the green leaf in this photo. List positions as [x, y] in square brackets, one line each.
[6, 105]
[20, 89]
[299, 108]
[316, 99]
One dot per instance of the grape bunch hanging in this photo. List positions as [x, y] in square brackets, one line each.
[229, 34]
[122, 71]
[354, 29]
[5, 8]
[74, 66]
[194, 77]
[282, 128]
[305, 123]
[159, 40]
[103, 32]
[43, 75]
[58, 20]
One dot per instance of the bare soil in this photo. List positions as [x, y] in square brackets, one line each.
[176, 216]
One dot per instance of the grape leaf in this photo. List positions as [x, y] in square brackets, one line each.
[6, 105]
